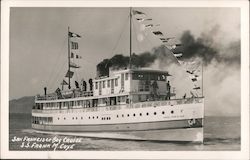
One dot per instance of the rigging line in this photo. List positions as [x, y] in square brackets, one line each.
[178, 63]
[76, 75]
[59, 73]
[150, 43]
[54, 66]
[124, 26]
[89, 61]
[135, 33]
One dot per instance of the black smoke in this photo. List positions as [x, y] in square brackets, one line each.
[205, 47]
[120, 61]
[208, 49]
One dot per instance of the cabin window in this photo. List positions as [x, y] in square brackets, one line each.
[128, 115]
[126, 76]
[103, 84]
[147, 114]
[172, 112]
[50, 119]
[116, 82]
[108, 83]
[140, 114]
[122, 81]
[96, 85]
[154, 113]
[134, 115]
[163, 112]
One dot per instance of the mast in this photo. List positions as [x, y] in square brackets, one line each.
[130, 36]
[68, 57]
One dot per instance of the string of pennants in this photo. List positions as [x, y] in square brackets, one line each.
[191, 68]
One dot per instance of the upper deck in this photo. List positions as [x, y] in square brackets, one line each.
[141, 82]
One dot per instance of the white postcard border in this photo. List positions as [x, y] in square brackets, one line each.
[243, 154]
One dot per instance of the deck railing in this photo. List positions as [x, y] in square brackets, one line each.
[77, 109]
[65, 95]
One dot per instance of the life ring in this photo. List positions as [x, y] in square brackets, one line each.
[191, 122]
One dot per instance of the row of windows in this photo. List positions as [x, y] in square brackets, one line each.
[81, 103]
[41, 120]
[109, 82]
[108, 118]
[155, 113]
[102, 84]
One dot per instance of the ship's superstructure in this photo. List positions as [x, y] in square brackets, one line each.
[129, 103]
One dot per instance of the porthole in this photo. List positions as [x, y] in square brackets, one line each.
[122, 115]
[93, 117]
[72, 117]
[134, 115]
[81, 117]
[128, 115]
[147, 114]
[163, 112]
[154, 113]
[96, 117]
[140, 114]
[172, 112]
[76, 117]
[58, 118]
[104, 118]
[64, 118]
[89, 117]
[117, 116]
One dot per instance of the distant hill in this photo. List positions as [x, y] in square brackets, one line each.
[21, 105]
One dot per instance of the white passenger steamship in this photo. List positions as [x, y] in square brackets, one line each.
[132, 103]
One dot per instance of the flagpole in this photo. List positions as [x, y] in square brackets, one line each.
[68, 56]
[130, 47]
[130, 37]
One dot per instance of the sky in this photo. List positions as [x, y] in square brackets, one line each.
[38, 44]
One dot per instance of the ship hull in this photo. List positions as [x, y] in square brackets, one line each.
[156, 131]
[194, 135]
[158, 121]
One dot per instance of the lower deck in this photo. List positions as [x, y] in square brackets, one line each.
[137, 126]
